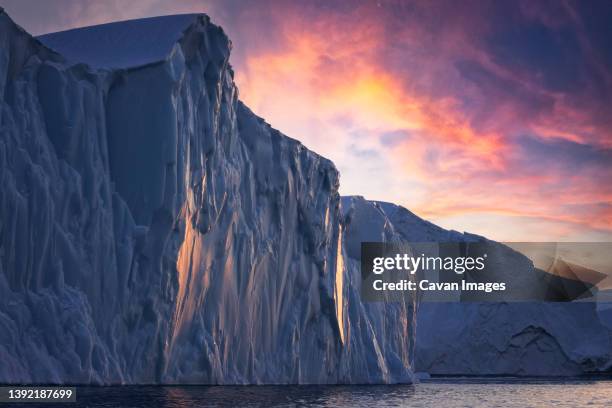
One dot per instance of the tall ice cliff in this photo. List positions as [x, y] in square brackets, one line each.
[154, 230]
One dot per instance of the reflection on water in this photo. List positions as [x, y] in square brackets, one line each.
[440, 393]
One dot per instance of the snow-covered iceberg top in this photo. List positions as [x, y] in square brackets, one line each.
[123, 44]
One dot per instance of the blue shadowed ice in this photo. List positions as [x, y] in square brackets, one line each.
[122, 44]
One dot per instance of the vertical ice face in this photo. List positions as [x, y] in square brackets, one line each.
[380, 336]
[153, 229]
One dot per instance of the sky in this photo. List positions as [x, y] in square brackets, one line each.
[492, 117]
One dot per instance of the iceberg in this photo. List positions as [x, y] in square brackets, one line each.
[154, 230]
[478, 338]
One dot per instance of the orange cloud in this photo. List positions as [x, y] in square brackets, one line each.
[324, 82]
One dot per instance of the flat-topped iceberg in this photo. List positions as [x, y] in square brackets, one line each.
[154, 230]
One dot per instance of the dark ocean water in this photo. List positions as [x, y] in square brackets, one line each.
[431, 393]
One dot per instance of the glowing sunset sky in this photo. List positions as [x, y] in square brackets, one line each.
[490, 117]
